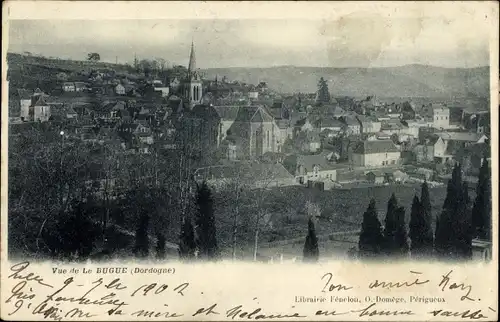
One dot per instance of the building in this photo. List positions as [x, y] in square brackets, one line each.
[376, 177]
[41, 109]
[227, 114]
[440, 116]
[253, 95]
[377, 153]
[352, 126]
[192, 87]
[120, 89]
[25, 103]
[307, 168]
[368, 125]
[68, 87]
[255, 132]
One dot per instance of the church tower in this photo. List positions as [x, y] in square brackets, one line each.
[192, 88]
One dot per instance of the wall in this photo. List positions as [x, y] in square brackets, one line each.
[375, 159]
[41, 113]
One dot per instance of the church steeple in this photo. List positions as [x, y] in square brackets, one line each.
[192, 60]
[193, 87]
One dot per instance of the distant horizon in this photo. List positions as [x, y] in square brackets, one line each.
[40, 55]
[358, 40]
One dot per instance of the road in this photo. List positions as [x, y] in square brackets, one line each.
[301, 239]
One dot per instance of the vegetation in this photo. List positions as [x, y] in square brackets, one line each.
[311, 251]
[323, 95]
[205, 224]
[371, 239]
[481, 211]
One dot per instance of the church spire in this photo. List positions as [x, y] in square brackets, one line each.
[192, 60]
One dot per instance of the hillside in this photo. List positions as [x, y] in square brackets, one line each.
[405, 81]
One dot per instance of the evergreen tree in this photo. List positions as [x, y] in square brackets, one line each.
[141, 236]
[187, 244]
[417, 227]
[311, 251]
[453, 238]
[481, 211]
[390, 226]
[160, 245]
[425, 203]
[322, 95]
[370, 238]
[400, 235]
[205, 223]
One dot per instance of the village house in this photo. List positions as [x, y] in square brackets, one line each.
[120, 89]
[314, 167]
[368, 124]
[68, 87]
[80, 87]
[377, 153]
[227, 114]
[375, 176]
[352, 126]
[134, 132]
[440, 116]
[41, 109]
[25, 103]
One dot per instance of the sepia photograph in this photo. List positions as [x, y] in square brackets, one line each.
[240, 161]
[202, 140]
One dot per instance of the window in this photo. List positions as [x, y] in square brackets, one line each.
[393, 161]
[268, 139]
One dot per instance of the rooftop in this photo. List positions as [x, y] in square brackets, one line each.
[376, 146]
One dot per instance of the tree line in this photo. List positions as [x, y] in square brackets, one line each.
[459, 222]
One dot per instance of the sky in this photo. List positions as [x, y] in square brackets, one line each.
[352, 40]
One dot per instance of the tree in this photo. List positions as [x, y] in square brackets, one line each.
[93, 57]
[453, 237]
[481, 211]
[187, 244]
[311, 251]
[421, 234]
[160, 245]
[205, 223]
[370, 238]
[390, 225]
[322, 95]
[141, 248]
[400, 235]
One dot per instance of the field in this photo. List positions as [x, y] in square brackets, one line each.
[341, 210]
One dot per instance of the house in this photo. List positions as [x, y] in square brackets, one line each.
[253, 95]
[375, 154]
[25, 103]
[329, 123]
[40, 108]
[68, 87]
[71, 113]
[160, 87]
[80, 87]
[368, 124]
[120, 89]
[135, 133]
[440, 116]
[471, 157]
[314, 167]
[376, 177]
[352, 126]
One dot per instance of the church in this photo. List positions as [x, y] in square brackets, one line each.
[198, 123]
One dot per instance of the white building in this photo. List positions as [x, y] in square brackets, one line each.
[440, 116]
